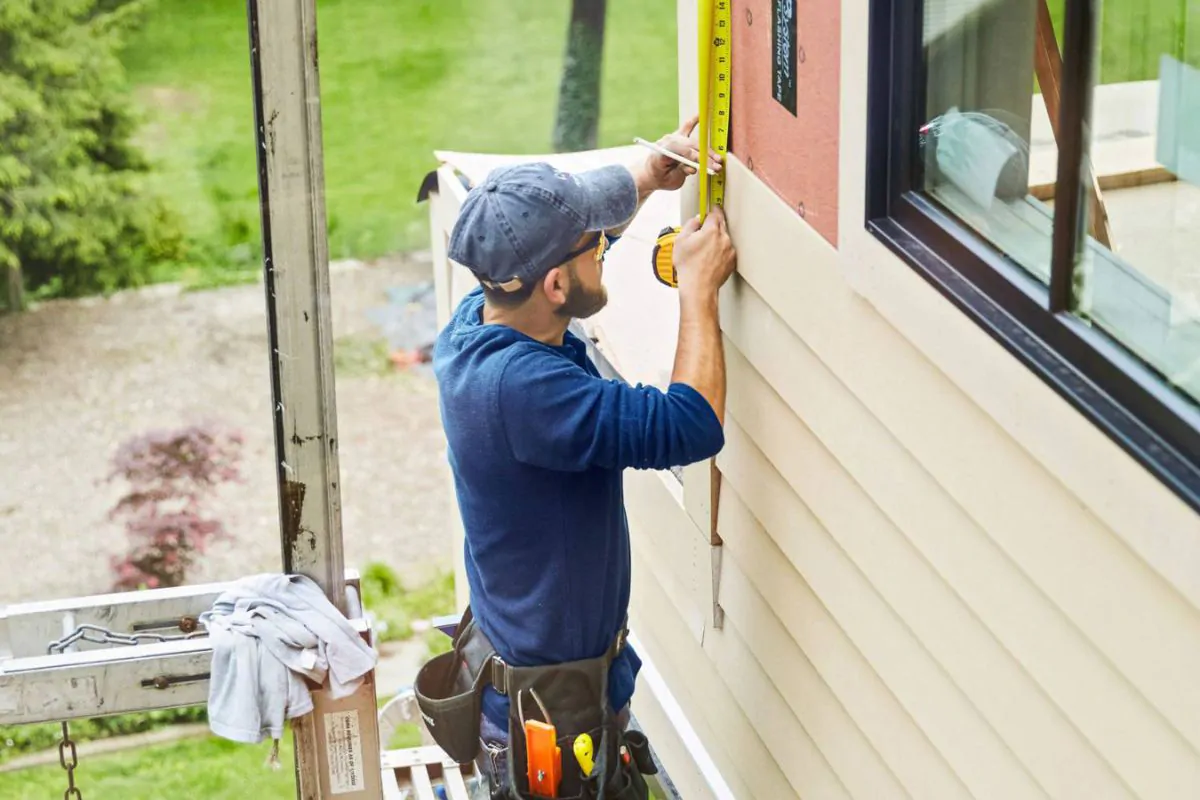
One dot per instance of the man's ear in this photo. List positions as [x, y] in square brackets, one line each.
[556, 285]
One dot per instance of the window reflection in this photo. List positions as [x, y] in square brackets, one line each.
[1143, 288]
[990, 155]
[987, 144]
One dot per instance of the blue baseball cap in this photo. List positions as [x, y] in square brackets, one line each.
[527, 219]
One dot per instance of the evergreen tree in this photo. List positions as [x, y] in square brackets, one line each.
[75, 216]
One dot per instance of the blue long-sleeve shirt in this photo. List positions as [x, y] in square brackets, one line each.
[537, 443]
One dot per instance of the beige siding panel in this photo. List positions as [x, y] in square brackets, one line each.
[789, 742]
[444, 205]
[689, 95]
[1152, 521]
[1055, 540]
[658, 524]
[439, 238]
[665, 536]
[762, 568]
[743, 758]
[657, 518]
[1125, 728]
[750, 620]
[669, 747]
[1037, 730]
[649, 612]
[948, 718]
[697, 495]
[737, 687]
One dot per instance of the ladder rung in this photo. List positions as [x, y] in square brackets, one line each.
[421, 783]
[391, 788]
[455, 786]
[403, 759]
[413, 769]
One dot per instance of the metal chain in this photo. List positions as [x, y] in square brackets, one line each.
[98, 635]
[69, 758]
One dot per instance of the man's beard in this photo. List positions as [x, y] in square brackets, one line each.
[581, 302]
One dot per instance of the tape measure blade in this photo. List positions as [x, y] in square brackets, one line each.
[704, 56]
[721, 58]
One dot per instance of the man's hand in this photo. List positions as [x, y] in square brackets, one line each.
[667, 173]
[704, 256]
[704, 260]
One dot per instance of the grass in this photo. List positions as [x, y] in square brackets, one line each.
[16, 740]
[398, 80]
[396, 607]
[212, 768]
[360, 356]
[209, 768]
[1134, 34]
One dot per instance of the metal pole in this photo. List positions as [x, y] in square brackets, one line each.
[283, 58]
[296, 272]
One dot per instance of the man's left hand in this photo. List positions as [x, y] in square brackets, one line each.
[667, 173]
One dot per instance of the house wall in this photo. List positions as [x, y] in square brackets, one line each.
[794, 154]
[930, 577]
[937, 579]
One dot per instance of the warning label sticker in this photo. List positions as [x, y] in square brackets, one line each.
[343, 743]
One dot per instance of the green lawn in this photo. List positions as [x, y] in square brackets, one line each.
[398, 79]
[1135, 34]
[213, 769]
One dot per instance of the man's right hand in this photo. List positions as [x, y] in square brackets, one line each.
[703, 255]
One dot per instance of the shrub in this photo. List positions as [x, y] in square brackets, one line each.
[170, 475]
[75, 214]
[395, 608]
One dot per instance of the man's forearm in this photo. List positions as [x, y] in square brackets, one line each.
[700, 356]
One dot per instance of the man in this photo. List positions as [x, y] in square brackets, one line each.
[537, 440]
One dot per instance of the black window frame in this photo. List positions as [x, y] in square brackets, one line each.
[1098, 376]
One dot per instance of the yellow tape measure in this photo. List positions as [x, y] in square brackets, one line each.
[716, 91]
[715, 49]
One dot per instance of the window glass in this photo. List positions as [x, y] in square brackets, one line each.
[987, 145]
[1139, 273]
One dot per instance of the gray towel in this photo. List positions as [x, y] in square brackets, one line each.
[270, 632]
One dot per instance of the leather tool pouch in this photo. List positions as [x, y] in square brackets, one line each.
[449, 691]
[450, 687]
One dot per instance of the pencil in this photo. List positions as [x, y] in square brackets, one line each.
[662, 151]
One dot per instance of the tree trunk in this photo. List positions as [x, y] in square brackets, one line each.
[579, 92]
[16, 289]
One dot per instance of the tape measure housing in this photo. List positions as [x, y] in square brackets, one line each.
[664, 258]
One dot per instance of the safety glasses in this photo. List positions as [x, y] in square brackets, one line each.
[600, 244]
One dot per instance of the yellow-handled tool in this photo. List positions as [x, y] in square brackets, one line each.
[584, 754]
[715, 49]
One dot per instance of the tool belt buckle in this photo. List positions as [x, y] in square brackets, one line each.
[500, 675]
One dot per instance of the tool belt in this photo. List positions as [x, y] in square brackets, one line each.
[574, 695]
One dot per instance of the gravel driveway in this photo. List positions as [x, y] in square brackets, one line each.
[79, 377]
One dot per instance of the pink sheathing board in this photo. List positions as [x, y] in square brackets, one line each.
[797, 156]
